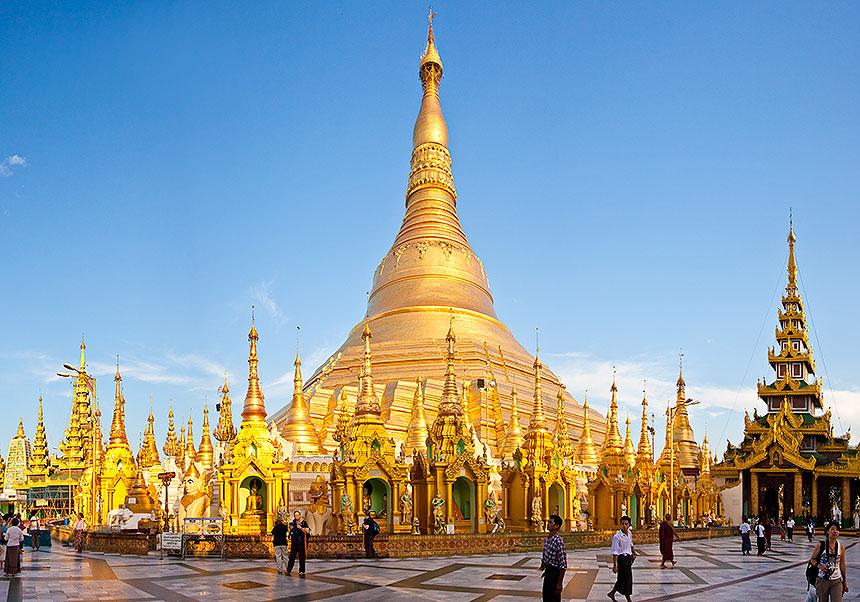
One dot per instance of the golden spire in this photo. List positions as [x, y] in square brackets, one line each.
[83, 355]
[538, 440]
[449, 404]
[706, 456]
[225, 431]
[181, 456]
[20, 434]
[416, 433]
[561, 436]
[171, 444]
[148, 455]
[629, 450]
[613, 443]
[298, 427]
[190, 452]
[688, 449]
[118, 436]
[430, 127]
[368, 402]
[344, 421]
[39, 457]
[514, 439]
[792, 266]
[205, 453]
[645, 453]
[587, 452]
[255, 407]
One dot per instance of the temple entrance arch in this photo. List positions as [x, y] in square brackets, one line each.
[556, 502]
[376, 497]
[463, 504]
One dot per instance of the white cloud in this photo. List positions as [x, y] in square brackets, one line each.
[8, 165]
[719, 412]
[262, 297]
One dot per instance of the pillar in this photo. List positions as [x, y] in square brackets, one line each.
[754, 493]
[798, 493]
[814, 509]
[846, 498]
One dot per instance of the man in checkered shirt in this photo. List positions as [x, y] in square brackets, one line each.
[554, 561]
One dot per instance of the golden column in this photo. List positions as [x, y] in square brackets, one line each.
[754, 493]
[798, 493]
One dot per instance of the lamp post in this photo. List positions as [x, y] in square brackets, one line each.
[165, 478]
[94, 416]
[671, 411]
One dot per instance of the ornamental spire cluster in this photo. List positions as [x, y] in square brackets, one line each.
[416, 433]
[225, 430]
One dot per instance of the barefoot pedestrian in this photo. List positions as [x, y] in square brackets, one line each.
[623, 555]
[14, 540]
[80, 526]
[760, 539]
[280, 532]
[553, 563]
[667, 537]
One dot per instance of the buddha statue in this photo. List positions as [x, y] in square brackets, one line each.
[254, 506]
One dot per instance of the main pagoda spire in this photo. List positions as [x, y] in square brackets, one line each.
[118, 437]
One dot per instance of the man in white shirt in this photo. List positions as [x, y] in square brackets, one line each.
[760, 538]
[623, 555]
[746, 545]
[35, 530]
[789, 528]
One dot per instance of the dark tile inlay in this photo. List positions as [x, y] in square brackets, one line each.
[507, 577]
[244, 585]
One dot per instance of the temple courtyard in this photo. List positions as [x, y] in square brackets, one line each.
[711, 568]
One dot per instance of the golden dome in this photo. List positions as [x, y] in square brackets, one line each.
[298, 428]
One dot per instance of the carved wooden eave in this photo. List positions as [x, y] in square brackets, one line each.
[479, 470]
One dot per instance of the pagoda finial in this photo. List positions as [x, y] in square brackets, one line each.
[416, 433]
[613, 440]
[430, 126]
[225, 430]
[39, 458]
[792, 265]
[20, 434]
[450, 401]
[205, 452]
[298, 428]
[587, 452]
[83, 354]
[629, 450]
[680, 383]
[117, 426]
[514, 439]
[644, 450]
[171, 444]
[254, 409]
[368, 402]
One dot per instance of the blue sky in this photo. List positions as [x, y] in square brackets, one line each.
[625, 172]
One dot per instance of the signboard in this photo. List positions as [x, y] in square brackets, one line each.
[171, 541]
[41, 503]
[131, 500]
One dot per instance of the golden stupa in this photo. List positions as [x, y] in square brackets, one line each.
[430, 273]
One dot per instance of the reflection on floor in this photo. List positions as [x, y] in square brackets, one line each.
[713, 569]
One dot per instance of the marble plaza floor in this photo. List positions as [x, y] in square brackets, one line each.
[711, 569]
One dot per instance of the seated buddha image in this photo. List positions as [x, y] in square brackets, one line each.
[254, 505]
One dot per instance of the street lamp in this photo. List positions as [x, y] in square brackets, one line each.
[670, 412]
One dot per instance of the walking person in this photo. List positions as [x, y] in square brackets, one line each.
[35, 529]
[667, 537]
[810, 528]
[829, 559]
[280, 532]
[80, 526]
[371, 530]
[623, 555]
[14, 540]
[3, 544]
[299, 532]
[768, 532]
[789, 527]
[553, 562]
[761, 541]
[746, 545]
